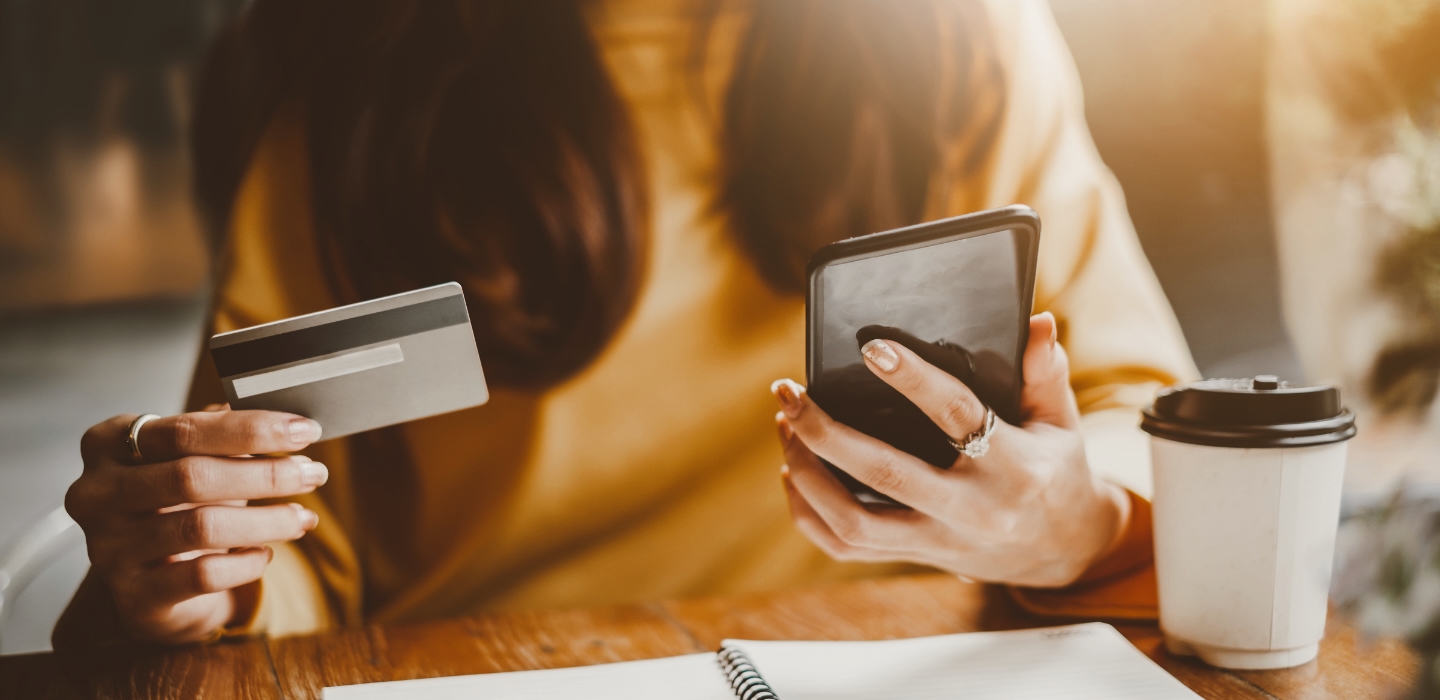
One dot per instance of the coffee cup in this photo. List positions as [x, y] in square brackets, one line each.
[1248, 475]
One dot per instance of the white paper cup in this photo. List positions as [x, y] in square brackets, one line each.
[1245, 535]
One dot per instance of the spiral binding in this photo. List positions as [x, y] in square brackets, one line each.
[743, 677]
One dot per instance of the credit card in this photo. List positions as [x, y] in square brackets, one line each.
[358, 367]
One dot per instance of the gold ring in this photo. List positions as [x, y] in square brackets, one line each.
[132, 440]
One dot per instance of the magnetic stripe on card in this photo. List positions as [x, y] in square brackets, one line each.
[330, 338]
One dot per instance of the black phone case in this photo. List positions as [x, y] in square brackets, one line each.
[931, 444]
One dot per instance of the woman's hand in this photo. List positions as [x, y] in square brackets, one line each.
[172, 537]
[1029, 512]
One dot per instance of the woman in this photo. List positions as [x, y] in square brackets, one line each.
[628, 192]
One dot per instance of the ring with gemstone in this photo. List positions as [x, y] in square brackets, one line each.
[978, 442]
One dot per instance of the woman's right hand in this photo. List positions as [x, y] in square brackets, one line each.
[173, 537]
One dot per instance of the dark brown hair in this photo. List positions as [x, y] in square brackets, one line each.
[482, 141]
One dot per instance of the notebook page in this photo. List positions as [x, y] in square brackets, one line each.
[691, 677]
[1079, 662]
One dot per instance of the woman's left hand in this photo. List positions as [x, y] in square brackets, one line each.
[1029, 512]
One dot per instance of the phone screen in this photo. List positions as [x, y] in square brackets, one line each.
[961, 304]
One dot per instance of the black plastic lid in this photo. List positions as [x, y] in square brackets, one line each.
[1259, 412]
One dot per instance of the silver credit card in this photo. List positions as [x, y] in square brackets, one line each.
[361, 366]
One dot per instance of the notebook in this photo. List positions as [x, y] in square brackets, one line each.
[1077, 662]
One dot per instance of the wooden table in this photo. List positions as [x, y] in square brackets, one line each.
[298, 667]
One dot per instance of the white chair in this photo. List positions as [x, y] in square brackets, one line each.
[52, 551]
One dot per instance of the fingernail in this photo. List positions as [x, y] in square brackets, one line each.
[269, 554]
[304, 431]
[788, 392]
[880, 352]
[1054, 329]
[308, 518]
[313, 473]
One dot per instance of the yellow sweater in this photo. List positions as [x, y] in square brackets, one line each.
[654, 473]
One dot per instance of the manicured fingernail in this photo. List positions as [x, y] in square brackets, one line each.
[313, 473]
[789, 394]
[308, 518]
[304, 431]
[880, 352]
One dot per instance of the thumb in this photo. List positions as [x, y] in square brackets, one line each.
[1047, 397]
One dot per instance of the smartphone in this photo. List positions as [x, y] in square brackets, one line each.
[958, 292]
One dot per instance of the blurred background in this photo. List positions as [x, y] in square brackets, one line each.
[1292, 235]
